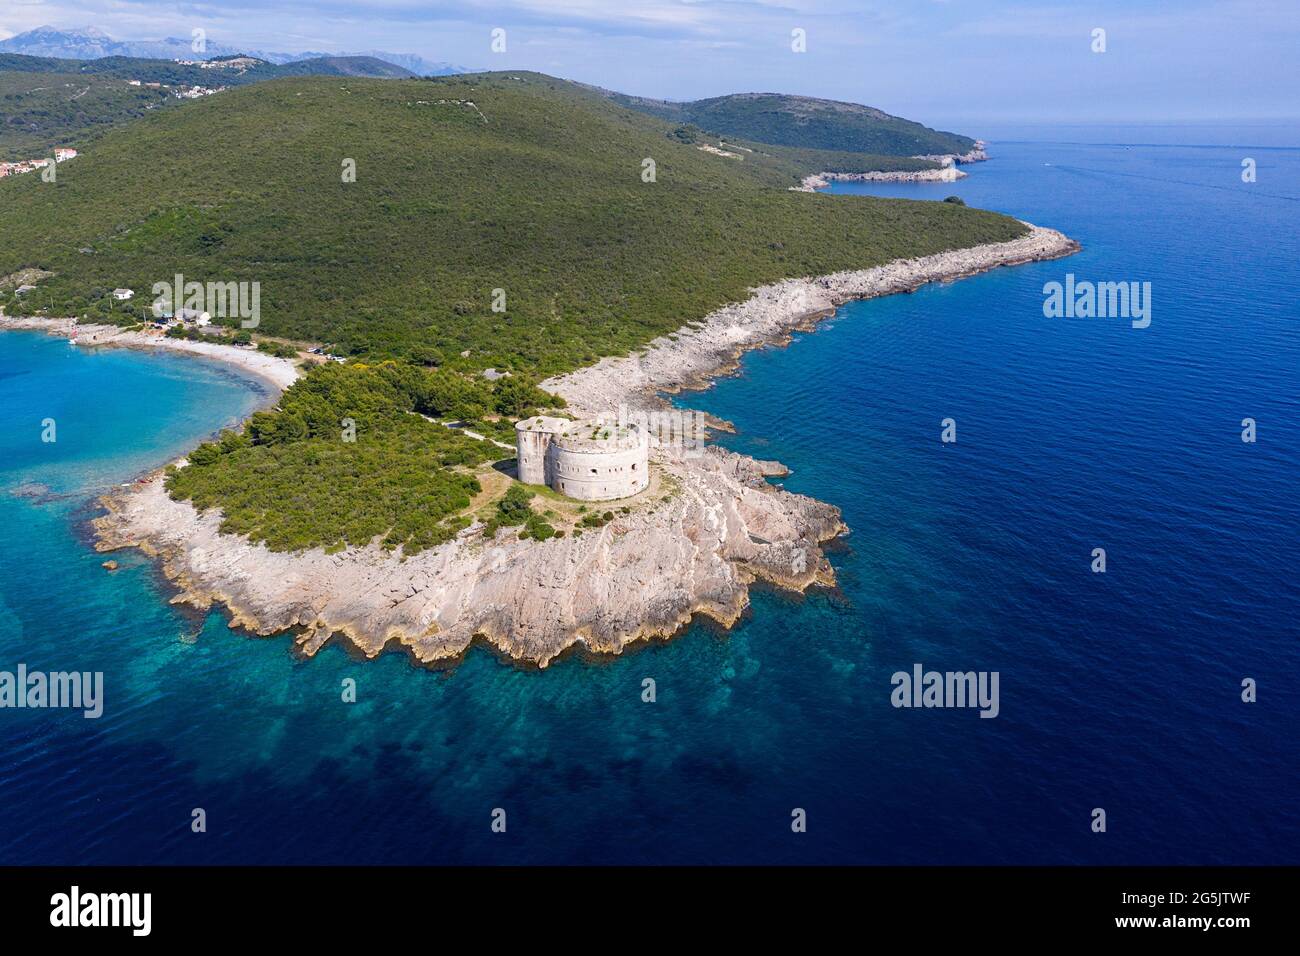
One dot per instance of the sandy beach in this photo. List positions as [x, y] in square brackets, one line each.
[693, 545]
[277, 372]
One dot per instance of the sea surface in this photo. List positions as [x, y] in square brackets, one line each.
[1118, 691]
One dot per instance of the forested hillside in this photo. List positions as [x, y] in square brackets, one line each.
[40, 111]
[47, 102]
[805, 121]
[464, 185]
[512, 221]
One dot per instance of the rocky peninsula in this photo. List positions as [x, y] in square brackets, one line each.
[708, 528]
[700, 352]
[946, 173]
[975, 155]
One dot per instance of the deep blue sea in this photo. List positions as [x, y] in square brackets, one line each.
[1119, 691]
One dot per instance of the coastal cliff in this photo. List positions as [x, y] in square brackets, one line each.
[709, 528]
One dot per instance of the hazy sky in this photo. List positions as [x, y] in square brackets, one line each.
[943, 62]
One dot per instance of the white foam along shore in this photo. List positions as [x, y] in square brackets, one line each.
[279, 373]
[693, 544]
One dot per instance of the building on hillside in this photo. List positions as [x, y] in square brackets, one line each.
[196, 316]
[588, 460]
[63, 153]
[122, 294]
[23, 166]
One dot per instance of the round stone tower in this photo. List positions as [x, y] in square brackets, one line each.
[533, 444]
[592, 461]
[587, 460]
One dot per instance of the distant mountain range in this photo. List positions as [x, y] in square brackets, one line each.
[215, 70]
[92, 43]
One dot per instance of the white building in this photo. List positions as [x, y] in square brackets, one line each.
[122, 294]
[197, 316]
[588, 460]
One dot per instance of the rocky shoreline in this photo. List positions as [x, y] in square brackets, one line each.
[946, 174]
[976, 155]
[709, 528]
[643, 575]
[702, 351]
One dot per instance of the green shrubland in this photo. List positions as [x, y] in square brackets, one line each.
[496, 220]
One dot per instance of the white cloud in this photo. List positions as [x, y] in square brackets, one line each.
[964, 57]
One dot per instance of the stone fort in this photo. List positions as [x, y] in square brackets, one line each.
[589, 460]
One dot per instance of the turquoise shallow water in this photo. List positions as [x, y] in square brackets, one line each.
[1117, 691]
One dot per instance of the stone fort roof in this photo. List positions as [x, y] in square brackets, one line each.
[586, 435]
